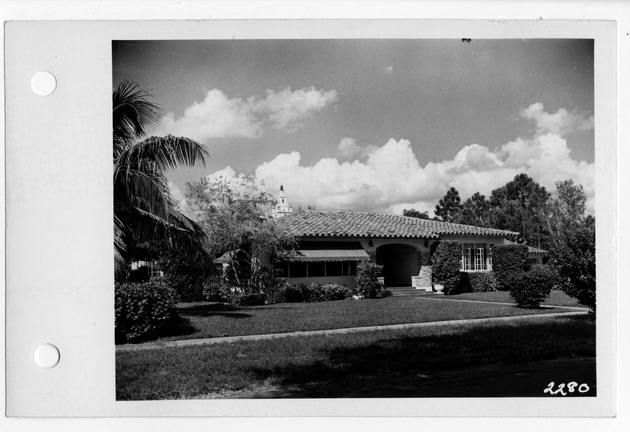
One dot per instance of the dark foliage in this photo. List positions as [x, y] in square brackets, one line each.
[574, 259]
[520, 206]
[250, 300]
[507, 261]
[449, 208]
[216, 288]
[144, 310]
[315, 292]
[367, 279]
[183, 274]
[475, 211]
[531, 288]
[268, 281]
[416, 214]
[446, 264]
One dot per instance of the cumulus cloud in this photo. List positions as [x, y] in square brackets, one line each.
[219, 116]
[348, 149]
[390, 178]
[562, 122]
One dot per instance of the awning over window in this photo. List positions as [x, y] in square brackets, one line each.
[326, 255]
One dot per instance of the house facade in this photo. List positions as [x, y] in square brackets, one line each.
[332, 244]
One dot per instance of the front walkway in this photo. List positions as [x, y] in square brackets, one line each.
[210, 341]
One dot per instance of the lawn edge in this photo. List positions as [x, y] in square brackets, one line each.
[231, 339]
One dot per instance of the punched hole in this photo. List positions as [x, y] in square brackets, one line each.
[47, 356]
[43, 83]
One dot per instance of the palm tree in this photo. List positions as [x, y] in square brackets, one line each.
[143, 207]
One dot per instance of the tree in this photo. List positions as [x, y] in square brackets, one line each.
[449, 208]
[143, 206]
[520, 206]
[568, 210]
[572, 251]
[476, 211]
[416, 214]
[235, 214]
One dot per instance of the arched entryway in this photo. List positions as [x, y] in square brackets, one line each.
[399, 262]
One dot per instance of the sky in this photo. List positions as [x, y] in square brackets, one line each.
[374, 124]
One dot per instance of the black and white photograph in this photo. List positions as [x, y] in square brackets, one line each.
[354, 218]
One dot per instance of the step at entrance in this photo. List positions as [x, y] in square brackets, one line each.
[407, 291]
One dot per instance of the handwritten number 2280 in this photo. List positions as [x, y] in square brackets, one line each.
[564, 388]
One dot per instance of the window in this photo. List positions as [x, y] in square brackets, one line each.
[297, 269]
[475, 257]
[349, 268]
[334, 268]
[317, 268]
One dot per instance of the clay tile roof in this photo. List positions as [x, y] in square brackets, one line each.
[530, 249]
[360, 224]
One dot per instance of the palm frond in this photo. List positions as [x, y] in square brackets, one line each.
[119, 246]
[163, 153]
[134, 188]
[135, 115]
[143, 206]
[177, 232]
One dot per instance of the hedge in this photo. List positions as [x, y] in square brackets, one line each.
[507, 261]
[144, 309]
[315, 293]
[478, 282]
[531, 288]
[446, 264]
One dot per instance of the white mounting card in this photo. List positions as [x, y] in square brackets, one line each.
[59, 207]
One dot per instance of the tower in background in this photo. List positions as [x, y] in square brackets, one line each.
[282, 206]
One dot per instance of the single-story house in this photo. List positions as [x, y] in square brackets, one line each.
[331, 244]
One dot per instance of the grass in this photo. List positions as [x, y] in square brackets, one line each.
[556, 298]
[380, 356]
[206, 320]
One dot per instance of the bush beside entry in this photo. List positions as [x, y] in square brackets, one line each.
[367, 279]
[144, 309]
[507, 261]
[446, 263]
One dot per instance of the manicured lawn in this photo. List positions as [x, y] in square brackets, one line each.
[228, 369]
[205, 320]
[556, 298]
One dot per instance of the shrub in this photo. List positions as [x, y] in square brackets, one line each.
[144, 310]
[215, 288]
[316, 293]
[367, 279]
[334, 292]
[446, 264]
[508, 261]
[478, 282]
[250, 299]
[295, 293]
[267, 280]
[181, 274]
[279, 294]
[574, 258]
[531, 288]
